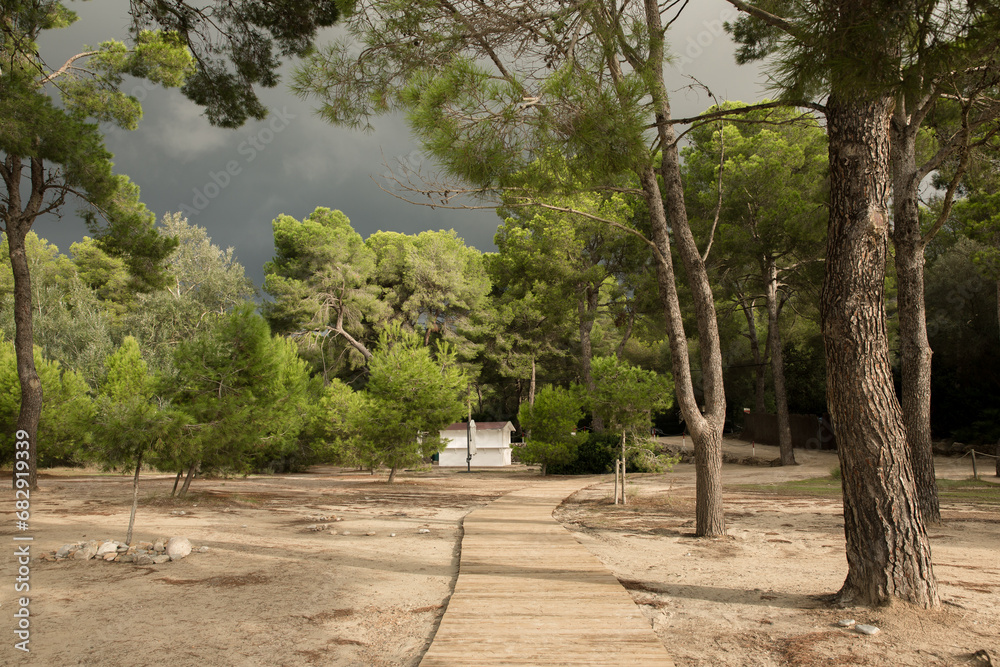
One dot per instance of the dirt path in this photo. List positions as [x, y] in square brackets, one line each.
[760, 596]
[270, 591]
[529, 594]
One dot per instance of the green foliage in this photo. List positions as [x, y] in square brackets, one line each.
[127, 377]
[963, 331]
[771, 226]
[129, 423]
[595, 455]
[430, 281]
[410, 397]
[774, 184]
[65, 426]
[238, 46]
[62, 135]
[626, 395]
[864, 48]
[104, 274]
[550, 426]
[320, 279]
[69, 323]
[326, 433]
[243, 392]
[202, 281]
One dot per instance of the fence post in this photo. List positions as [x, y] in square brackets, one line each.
[975, 473]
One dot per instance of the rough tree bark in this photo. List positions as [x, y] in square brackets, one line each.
[778, 364]
[17, 224]
[915, 391]
[705, 428]
[888, 553]
[706, 434]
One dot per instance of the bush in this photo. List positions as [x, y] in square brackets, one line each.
[594, 456]
[554, 457]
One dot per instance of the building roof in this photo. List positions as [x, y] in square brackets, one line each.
[480, 426]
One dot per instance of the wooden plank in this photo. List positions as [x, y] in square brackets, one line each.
[529, 594]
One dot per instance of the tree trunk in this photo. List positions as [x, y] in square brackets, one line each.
[190, 476]
[778, 364]
[624, 500]
[392, 474]
[31, 387]
[706, 429]
[888, 553]
[135, 497]
[760, 375]
[587, 310]
[531, 387]
[625, 336]
[706, 435]
[618, 465]
[355, 343]
[915, 393]
[177, 481]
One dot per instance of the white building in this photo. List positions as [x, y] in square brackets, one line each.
[491, 444]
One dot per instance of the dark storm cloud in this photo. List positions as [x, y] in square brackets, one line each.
[235, 182]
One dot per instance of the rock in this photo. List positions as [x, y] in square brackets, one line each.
[158, 546]
[110, 556]
[65, 550]
[203, 550]
[847, 623]
[311, 527]
[424, 530]
[369, 533]
[161, 559]
[392, 534]
[346, 532]
[127, 558]
[178, 547]
[866, 629]
[107, 548]
[144, 559]
[86, 552]
[123, 548]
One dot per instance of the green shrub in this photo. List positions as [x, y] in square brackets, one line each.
[595, 455]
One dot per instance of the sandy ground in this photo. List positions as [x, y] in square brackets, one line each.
[270, 591]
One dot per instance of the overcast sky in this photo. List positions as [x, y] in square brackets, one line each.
[235, 182]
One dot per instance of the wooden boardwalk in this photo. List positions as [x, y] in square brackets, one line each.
[529, 594]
